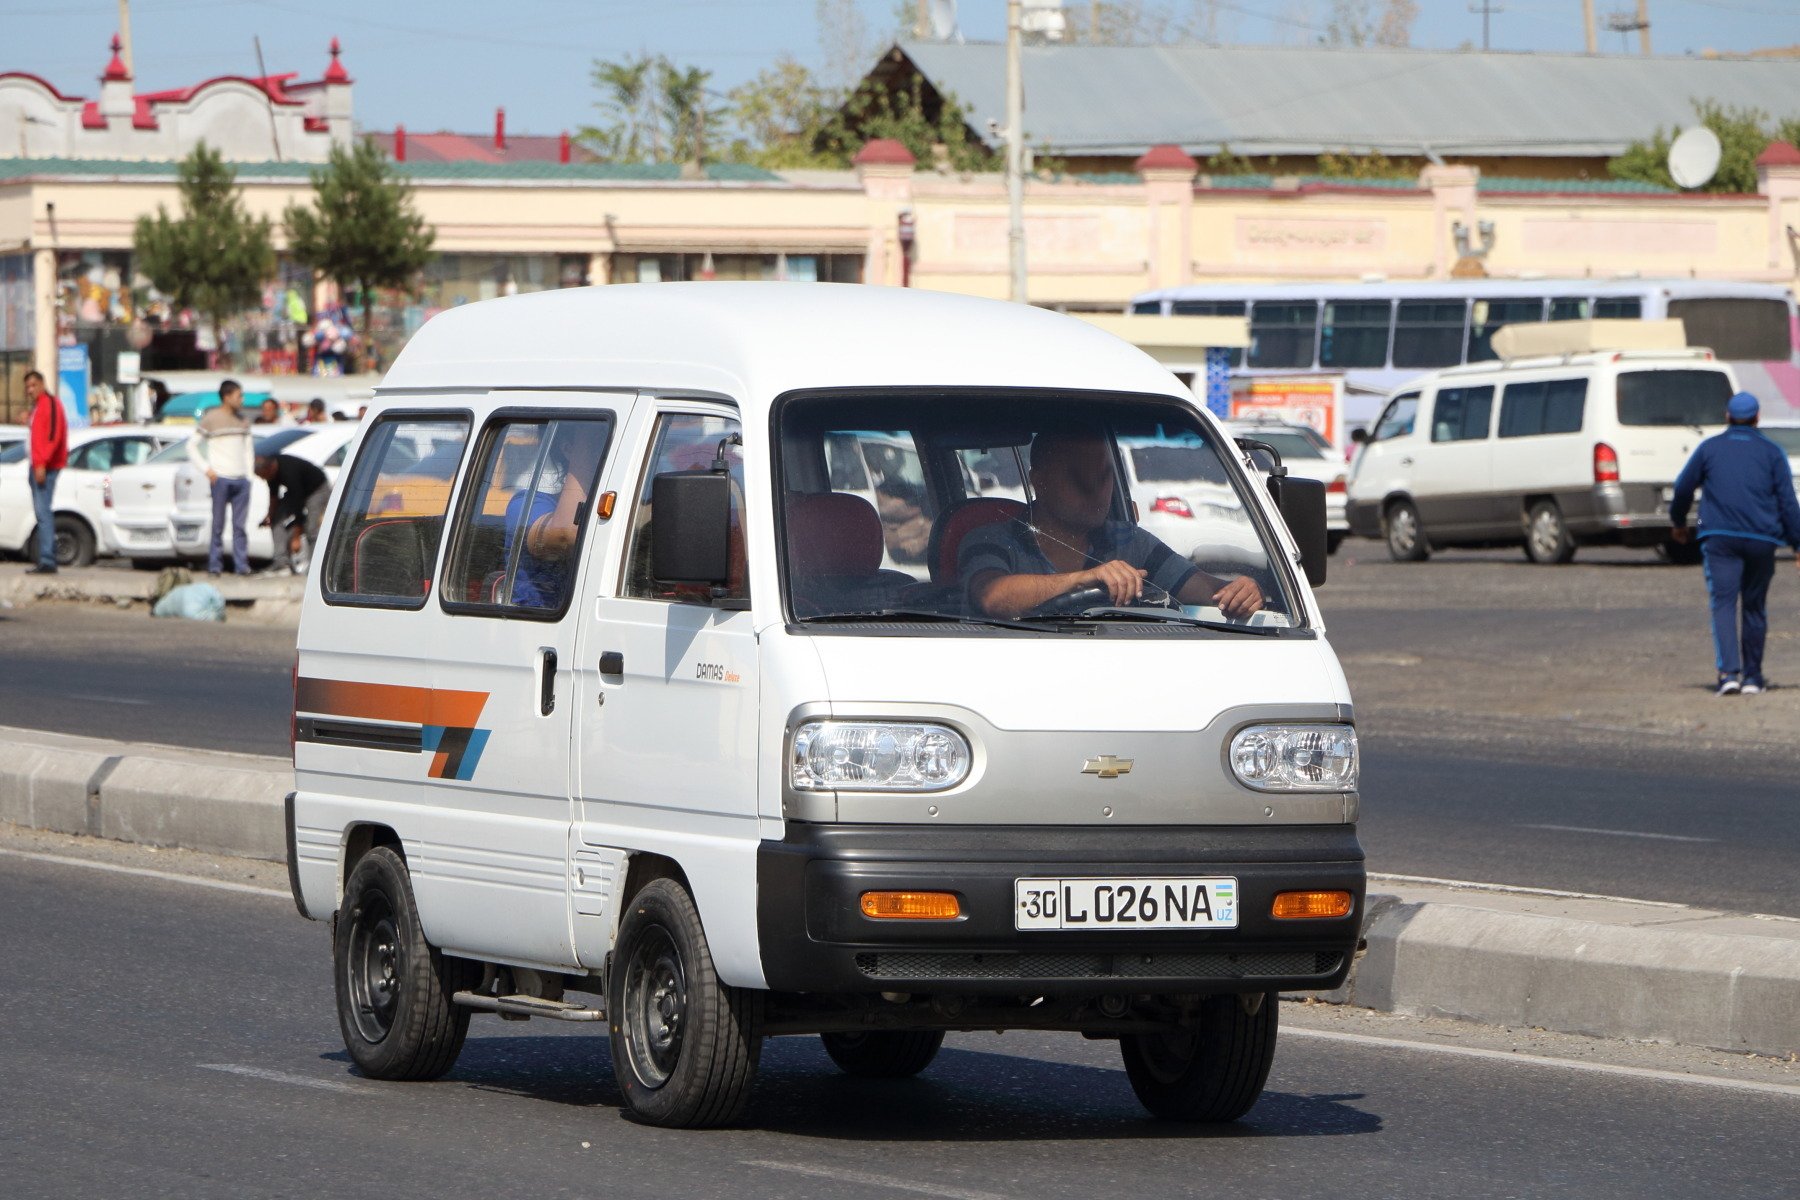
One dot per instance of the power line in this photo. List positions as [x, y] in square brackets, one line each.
[1487, 11]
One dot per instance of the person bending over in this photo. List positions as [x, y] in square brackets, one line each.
[1068, 543]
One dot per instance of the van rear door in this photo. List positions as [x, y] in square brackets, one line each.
[1663, 413]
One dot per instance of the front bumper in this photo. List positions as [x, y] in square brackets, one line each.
[815, 938]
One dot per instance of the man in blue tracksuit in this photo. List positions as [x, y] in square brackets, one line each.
[1747, 511]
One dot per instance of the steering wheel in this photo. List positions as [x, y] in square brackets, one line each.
[1073, 603]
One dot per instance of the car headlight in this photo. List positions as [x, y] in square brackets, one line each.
[1295, 758]
[886, 756]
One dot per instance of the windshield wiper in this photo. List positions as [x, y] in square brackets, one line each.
[920, 614]
[1174, 618]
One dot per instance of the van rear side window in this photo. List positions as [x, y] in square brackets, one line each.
[383, 548]
[1673, 397]
[1542, 406]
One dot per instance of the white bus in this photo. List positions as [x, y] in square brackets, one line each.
[1379, 336]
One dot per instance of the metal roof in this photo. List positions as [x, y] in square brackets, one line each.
[1120, 100]
[590, 173]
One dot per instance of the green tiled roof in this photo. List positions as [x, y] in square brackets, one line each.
[16, 168]
[1596, 187]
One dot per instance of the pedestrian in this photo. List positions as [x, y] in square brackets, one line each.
[298, 491]
[221, 444]
[269, 413]
[1747, 511]
[315, 411]
[49, 455]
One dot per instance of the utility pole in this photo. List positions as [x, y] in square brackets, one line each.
[1015, 152]
[1587, 21]
[1643, 24]
[1487, 10]
[125, 37]
[1622, 23]
[922, 20]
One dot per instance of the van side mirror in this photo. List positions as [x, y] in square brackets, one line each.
[690, 528]
[1302, 505]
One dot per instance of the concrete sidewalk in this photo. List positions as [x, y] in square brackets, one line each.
[1517, 957]
[269, 599]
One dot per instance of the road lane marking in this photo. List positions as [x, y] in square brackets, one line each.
[1516, 889]
[104, 699]
[866, 1179]
[1659, 837]
[223, 885]
[1792, 1091]
[324, 1085]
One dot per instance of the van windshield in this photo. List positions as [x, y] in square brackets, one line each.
[1016, 509]
[1673, 397]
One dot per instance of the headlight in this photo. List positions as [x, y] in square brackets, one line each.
[1295, 758]
[866, 756]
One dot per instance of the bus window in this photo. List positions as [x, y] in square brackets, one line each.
[1429, 333]
[1355, 333]
[1488, 316]
[1740, 330]
[1282, 333]
[1571, 308]
[1212, 308]
[1627, 308]
[1147, 308]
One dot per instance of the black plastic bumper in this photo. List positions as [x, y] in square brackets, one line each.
[815, 937]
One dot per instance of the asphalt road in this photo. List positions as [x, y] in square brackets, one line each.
[168, 1040]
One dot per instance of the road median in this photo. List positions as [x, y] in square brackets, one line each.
[265, 599]
[1519, 957]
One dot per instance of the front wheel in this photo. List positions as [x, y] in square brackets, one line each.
[884, 1054]
[1213, 1072]
[1405, 534]
[684, 1043]
[74, 542]
[1547, 539]
[394, 988]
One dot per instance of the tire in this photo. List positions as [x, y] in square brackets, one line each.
[74, 542]
[1405, 534]
[887, 1054]
[1547, 540]
[394, 987]
[684, 1044]
[1333, 539]
[1213, 1073]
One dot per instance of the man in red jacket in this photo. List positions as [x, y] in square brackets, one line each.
[49, 455]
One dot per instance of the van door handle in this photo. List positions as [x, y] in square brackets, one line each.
[547, 681]
[612, 662]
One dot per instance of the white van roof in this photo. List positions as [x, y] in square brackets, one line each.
[754, 341]
[1695, 356]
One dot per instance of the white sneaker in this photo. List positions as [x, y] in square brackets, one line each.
[1753, 689]
[1729, 686]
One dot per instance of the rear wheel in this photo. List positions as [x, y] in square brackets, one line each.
[74, 542]
[886, 1054]
[394, 987]
[1405, 534]
[1547, 539]
[1333, 539]
[1212, 1072]
[684, 1043]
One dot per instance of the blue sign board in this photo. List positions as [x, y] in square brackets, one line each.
[73, 373]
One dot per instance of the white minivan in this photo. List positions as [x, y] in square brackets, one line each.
[623, 716]
[1553, 453]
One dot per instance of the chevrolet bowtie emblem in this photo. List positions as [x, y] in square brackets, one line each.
[1107, 767]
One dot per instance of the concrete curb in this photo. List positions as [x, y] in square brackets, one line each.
[1521, 957]
[270, 600]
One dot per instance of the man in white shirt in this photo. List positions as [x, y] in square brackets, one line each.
[222, 446]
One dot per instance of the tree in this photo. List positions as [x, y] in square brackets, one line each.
[781, 116]
[213, 258]
[1743, 134]
[905, 117]
[686, 109]
[362, 228]
[634, 129]
[1395, 28]
[1373, 164]
[844, 41]
[1350, 24]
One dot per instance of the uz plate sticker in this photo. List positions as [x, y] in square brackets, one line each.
[1125, 903]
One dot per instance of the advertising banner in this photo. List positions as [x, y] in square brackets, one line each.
[1317, 402]
[73, 375]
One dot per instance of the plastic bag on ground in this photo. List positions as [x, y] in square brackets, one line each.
[193, 601]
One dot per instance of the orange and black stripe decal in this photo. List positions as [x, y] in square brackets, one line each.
[445, 720]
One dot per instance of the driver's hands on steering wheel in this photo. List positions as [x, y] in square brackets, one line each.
[1123, 582]
[1239, 598]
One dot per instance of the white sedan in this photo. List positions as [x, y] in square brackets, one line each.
[83, 490]
[1786, 434]
[1306, 454]
[191, 519]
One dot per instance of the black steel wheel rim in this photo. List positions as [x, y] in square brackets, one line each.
[374, 968]
[65, 548]
[655, 1017]
[1168, 1056]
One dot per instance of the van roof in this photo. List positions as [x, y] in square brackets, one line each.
[1697, 356]
[754, 341]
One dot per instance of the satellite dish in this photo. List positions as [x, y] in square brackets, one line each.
[942, 15]
[1694, 157]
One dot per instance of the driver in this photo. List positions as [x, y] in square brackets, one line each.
[1014, 566]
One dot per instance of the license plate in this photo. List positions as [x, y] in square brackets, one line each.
[1088, 903]
[143, 535]
[187, 533]
[1668, 494]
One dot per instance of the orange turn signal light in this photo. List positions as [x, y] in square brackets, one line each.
[1311, 904]
[916, 906]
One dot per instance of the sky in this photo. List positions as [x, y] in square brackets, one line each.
[447, 64]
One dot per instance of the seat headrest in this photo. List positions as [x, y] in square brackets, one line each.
[833, 533]
[963, 520]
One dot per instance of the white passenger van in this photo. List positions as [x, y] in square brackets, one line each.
[619, 716]
[1553, 452]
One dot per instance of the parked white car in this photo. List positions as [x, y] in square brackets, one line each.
[82, 490]
[1304, 452]
[191, 517]
[1786, 434]
[12, 435]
